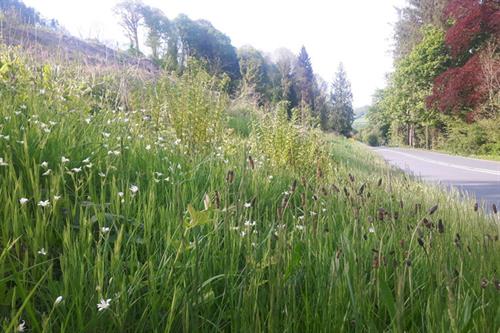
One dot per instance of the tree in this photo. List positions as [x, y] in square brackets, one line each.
[129, 12]
[412, 18]
[201, 40]
[17, 11]
[304, 80]
[461, 89]
[285, 63]
[160, 31]
[323, 108]
[255, 82]
[411, 84]
[341, 99]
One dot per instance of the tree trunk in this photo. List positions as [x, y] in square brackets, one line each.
[136, 38]
[427, 137]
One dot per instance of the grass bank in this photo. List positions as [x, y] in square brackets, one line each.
[145, 220]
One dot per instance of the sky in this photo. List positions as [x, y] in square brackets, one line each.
[357, 33]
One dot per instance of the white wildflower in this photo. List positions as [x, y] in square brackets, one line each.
[249, 224]
[21, 327]
[57, 197]
[46, 173]
[45, 203]
[103, 304]
[3, 162]
[134, 189]
[247, 204]
[106, 135]
[148, 147]
[64, 160]
[86, 161]
[76, 170]
[371, 230]
[102, 174]
[42, 252]
[105, 230]
[58, 300]
[23, 201]
[44, 164]
[121, 194]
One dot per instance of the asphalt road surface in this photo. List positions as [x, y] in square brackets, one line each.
[478, 178]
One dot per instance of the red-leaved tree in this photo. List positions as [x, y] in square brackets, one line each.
[461, 88]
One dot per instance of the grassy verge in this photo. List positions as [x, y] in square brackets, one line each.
[133, 229]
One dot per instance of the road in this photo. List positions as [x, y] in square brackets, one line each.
[477, 178]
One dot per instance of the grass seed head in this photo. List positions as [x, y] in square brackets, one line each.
[206, 201]
[230, 176]
[381, 214]
[433, 209]
[319, 172]
[217, 199]
[251, 163]
[418, 208]
[440, 226]
[476, 207]
[494, 209]
[362, 189]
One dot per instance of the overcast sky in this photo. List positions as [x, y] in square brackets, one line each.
[355, 32]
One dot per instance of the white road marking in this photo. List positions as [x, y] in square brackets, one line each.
[456, 166]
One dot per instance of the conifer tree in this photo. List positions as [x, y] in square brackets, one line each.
[304, 80]
[341, 99]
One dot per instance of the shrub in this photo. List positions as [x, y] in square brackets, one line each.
[194, 105]
[285, 144]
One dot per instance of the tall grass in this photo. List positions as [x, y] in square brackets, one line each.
[167, 239]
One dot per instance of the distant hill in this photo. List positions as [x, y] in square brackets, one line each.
[360, 120]
[48, 42]
[361, 111]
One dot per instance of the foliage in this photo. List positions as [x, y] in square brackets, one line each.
[254, 69]
[201, 40]
[403, 104]
[481, 138]
[17, 10]
[284, 143]
[412, 19]
[460, 88]
[160, 36]
[304, 80]
[194, 106]
[342, 114]
[129, 13]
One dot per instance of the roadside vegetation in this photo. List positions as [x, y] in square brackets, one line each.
[171, 213]
[214, 190]
[444, 93]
